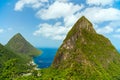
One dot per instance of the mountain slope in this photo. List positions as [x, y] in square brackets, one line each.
[5, 55]
[19, 44]
[11, 64]
[86, 55]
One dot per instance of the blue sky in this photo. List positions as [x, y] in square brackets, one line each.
[45, 23]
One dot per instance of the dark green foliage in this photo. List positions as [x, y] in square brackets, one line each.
[5, 55]
[11, 64]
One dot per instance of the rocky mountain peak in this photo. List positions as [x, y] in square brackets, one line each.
[18, 34]
[83, 50]
[82, 24]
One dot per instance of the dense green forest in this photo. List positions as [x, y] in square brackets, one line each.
[11, 64]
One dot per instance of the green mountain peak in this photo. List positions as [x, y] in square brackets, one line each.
[82, 24]
[18, 34]
[20, 45]
[86, 55]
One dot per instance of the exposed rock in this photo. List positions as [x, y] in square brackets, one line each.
[87, 54]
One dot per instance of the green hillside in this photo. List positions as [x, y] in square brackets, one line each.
[16, 58]
[87, 55]
[11, 64]
[83, 55]
[19, 44]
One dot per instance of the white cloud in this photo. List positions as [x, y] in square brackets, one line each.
[100, 2]
[55, 32]
[30, 3]
[62, 0]
[111, 27]
[58, 10]
[99, 15]
[1, 30]
[105, 30]
[68, 12]
[70, 20]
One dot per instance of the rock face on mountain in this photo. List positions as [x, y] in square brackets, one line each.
[86, 55]
[19, 44]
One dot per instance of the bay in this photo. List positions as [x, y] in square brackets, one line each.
[45, 59]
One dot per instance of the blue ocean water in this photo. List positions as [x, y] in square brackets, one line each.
[46, 58]
[119, 50]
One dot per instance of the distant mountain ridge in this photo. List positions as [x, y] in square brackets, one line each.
[20, 45]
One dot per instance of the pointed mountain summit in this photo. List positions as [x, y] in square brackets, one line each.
[86, 55]
[19, 44]
[83, 23]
